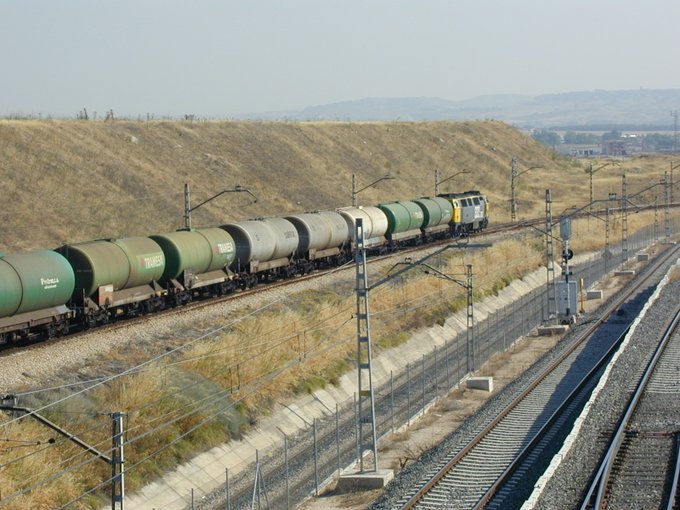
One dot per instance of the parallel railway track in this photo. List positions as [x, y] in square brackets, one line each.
[472, 476]
[499, 228]
[640, 468]
[12, 348]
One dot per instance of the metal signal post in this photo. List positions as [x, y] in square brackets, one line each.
[550, 258]
[117, 463]
[514, 174]
[367, 438]
[187, 201]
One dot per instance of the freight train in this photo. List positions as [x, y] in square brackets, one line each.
[47, 293]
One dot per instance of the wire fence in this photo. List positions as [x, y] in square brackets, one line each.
[280, 478]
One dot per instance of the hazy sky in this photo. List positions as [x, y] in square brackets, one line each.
[220, 57]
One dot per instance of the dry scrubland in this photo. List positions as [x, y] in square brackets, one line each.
[219, 387]
[67, 179]
[79, 180]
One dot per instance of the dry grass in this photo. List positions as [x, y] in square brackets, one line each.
[296, 347]
[29, 458]
[78, 180]
[310, 341]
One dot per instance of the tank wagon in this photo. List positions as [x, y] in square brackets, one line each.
[45, 293]
[115, 277]
[34, 289]
[374, 221]
[323, 239]
[264, 249]
[196, 263]
[404, 222]
[437, 218]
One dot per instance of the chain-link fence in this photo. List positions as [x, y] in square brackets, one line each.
[315, 455]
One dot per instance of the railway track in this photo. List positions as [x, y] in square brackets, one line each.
[470, 477]
[32, 343]
[499, 229]
[640, 468]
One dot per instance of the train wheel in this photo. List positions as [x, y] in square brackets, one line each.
[49, 331]
[90, 321]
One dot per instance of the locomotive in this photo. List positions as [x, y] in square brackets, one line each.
[46, 293]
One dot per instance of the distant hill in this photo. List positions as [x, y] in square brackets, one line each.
[600, 107]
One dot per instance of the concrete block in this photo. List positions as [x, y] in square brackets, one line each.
[625, 272]
[480, 383]
[369, 480]
[552, 330]
[642, 257]
[594, 294]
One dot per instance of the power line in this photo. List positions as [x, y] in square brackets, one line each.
[146, 363]
[213, 398]
[264, 381]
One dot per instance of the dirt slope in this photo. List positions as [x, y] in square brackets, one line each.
[80, 180]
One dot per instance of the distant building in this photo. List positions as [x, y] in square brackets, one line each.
[615, 148]
[576, 150]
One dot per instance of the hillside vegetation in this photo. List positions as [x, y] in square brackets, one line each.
[82, 180]
[69, 181]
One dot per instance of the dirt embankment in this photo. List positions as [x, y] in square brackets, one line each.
[69, 181]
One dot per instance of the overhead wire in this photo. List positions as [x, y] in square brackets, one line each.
[105, 379]
[137, 367]
[183, 389]
[217, 396]
[60, 387]
[279, 341]
[180, 437]
[263, 380]
[210, 399]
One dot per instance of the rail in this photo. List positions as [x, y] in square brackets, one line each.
[434, 481]
[597, 491]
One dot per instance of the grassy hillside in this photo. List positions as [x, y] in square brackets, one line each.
[79, 180]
